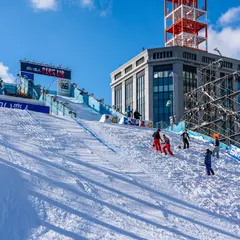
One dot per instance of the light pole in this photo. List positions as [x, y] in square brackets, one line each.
[217, 50]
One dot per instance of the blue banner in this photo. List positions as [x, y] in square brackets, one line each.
[131, 121]
[28, 76]
[24, 106]
[234, 152]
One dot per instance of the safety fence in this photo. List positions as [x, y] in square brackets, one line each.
[97, 105]
[57, 107]
[21, 88]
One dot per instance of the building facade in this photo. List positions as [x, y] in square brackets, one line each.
[156, 81]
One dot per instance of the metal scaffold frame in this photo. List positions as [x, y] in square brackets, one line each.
[214, 106]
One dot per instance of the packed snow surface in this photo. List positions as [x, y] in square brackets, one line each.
[58, 181]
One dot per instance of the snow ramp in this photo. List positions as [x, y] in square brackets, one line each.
[59, 182]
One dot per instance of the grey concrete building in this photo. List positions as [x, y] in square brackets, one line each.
[155, 76]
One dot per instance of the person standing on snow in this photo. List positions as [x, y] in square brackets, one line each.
[136, 114]
[129, 111]
[208, 162]
[217, 147]
[185, 137]
[157, 138]
[167, 145]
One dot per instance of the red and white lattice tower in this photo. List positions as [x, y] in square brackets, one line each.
[186, 23]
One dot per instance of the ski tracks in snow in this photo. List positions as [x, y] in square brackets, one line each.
[184, 173]
[78, 189]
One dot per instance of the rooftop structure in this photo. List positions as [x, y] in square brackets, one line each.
[186, 24]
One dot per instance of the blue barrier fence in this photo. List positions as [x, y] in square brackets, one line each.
[93, 103]
[177, 128]
[24, 86]
[180, 127]
[57, 107]
[34, 91]
[11, 88]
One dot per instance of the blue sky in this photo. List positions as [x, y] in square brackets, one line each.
[94, 37]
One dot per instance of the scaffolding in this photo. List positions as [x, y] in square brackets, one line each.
[213, 107]
[186, 24]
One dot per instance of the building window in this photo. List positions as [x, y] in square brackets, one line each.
[189, 78]
[190, 56]
[189, 82]
[227, 64]
[128, 69]
[118, 98]
[160, 55]
[207, 60]
[117, 76]
[163, 93]
[140, 61]
[129, 93]
[141, 94]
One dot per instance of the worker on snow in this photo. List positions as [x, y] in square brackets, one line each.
[129, 111]
[208, 162]
[167, 145]
[136, 114]
[216, 148]
[185, 138]
[157, 138]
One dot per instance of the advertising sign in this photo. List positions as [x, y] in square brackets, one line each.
[45, 70]
[234, 152]
[28, 76]
[63, 87]
[24, 106]
[107, 118]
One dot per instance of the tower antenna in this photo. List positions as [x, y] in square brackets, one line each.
[186, 24]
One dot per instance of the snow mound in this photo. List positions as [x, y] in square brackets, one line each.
[58, 181]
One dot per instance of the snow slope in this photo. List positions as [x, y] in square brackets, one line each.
[59, 182]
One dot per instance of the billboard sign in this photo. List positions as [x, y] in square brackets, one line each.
[27, 75]
[234, 152]
[24, 106]
[45, 70]
[63, 87]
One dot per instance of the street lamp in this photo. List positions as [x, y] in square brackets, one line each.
[217, 50]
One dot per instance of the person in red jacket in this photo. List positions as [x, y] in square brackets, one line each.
[157, 139]
[167, 145]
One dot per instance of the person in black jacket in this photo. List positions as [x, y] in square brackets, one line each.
[208, 162]
[137, 115]
[217, 148]
[185, 137]
[157, 138]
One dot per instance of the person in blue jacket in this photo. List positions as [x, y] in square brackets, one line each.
[208, 162]
[129, 111]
